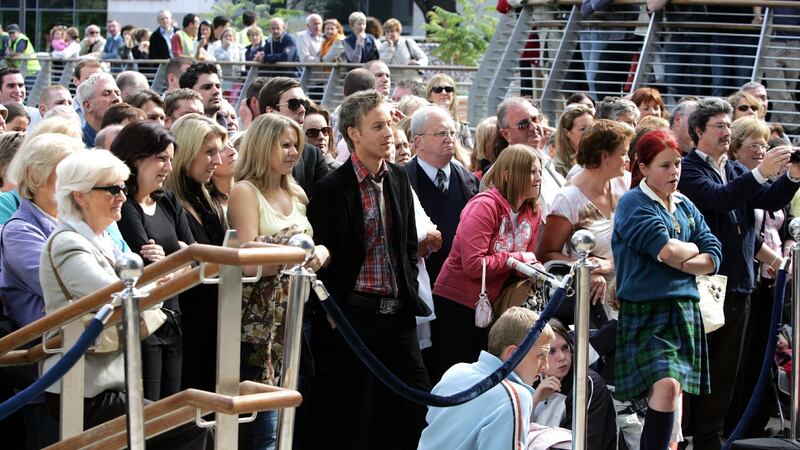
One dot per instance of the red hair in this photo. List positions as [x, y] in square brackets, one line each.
[648, 147]
[650, 95]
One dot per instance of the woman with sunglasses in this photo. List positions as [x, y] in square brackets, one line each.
[79, 259]
[749, 137]
[744, 105]
[441, 91]
[318, 131]
[200, 140]
[154, 224]
[267, 205]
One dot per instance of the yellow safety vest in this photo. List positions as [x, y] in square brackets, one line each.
[33, 66]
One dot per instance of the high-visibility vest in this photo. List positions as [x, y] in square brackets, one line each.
[33, 66]
[187, 43]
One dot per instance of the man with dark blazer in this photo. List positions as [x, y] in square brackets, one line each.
[160, 38]
[443, 188]
[363, 213]
[285, 96]
[726, 192]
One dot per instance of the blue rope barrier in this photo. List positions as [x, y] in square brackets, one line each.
[769, 357]
[93, 329]
[426, 398]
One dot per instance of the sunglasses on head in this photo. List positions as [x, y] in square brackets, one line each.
[295, 103]
[113, 189]
[440, 89]
[744, 108]
[313, 133]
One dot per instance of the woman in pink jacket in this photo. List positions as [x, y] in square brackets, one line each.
[500, 223]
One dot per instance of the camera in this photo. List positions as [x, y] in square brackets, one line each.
[795, 157]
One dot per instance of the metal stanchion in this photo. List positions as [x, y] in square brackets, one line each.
[583, 242]
[129, 269]
[300, 280]
[794, 230]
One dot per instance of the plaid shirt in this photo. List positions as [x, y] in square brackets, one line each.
[377, 274]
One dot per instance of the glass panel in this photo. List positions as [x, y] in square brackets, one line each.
[9, 4]
[57, 4]
[88, 18]
[95, 4]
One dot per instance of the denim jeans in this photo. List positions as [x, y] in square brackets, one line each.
[261, 433]
[731, 51]
[686, 63]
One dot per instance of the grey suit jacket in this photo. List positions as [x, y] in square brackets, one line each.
[84, 269]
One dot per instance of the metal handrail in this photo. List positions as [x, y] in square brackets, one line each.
[277, 255]
[182, 408]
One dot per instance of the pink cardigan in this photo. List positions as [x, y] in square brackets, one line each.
[485, 230]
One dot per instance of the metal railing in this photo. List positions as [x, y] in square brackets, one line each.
[678, 51]
[231, 398]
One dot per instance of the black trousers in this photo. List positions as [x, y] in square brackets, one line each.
[704, 415]
[455, 337]
[162, 358]
[361, 412]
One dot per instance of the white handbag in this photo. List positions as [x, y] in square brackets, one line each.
[712, 300]
[483, 309]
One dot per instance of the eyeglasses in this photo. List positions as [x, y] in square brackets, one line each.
[754, 147]
[721, 126]
[744, 108]
[114, 189]
[295, 103]
[440, 89]
[313, 133]
[441, 134]
[524, 124]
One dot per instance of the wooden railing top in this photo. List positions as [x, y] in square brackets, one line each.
[268, 255]
[180, 408]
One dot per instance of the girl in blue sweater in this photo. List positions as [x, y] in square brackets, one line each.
[660, 243]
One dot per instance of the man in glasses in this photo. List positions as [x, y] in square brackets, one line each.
[443, 188]
[519, 122]
[285, 96]
[203, 78]
[92, 45]
[726, 193]
[363, 213]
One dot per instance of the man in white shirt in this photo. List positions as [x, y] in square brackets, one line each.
[310, 40]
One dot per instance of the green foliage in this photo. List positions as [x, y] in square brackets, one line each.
[462, 37]
[234, 10]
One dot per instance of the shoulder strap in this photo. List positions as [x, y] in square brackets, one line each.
[3, 229]
[55, 270]
[549, 167]
[408, 46]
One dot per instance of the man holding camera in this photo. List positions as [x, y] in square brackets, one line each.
[726, 192]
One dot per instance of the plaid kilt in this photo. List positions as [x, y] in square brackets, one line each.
[660, 339]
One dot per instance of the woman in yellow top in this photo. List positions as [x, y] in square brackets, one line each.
[267, 205]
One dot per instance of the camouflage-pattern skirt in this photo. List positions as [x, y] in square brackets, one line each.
[263, 312]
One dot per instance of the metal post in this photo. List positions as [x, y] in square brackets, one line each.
[583, 242]
[794, 230]
[129, 268]
[300, 281]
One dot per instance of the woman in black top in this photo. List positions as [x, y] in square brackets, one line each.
[200, 141]
[154, 223]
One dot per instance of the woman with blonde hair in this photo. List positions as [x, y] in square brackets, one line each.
[400, 51]
[441, 91]
[571, 126]
[333, 32]
[199, 141]
[500, 223]
[745, 104]
[267, 205]
[483, 153]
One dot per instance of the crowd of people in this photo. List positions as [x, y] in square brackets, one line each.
[415, 218]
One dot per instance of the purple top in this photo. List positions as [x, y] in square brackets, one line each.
[21, 243]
